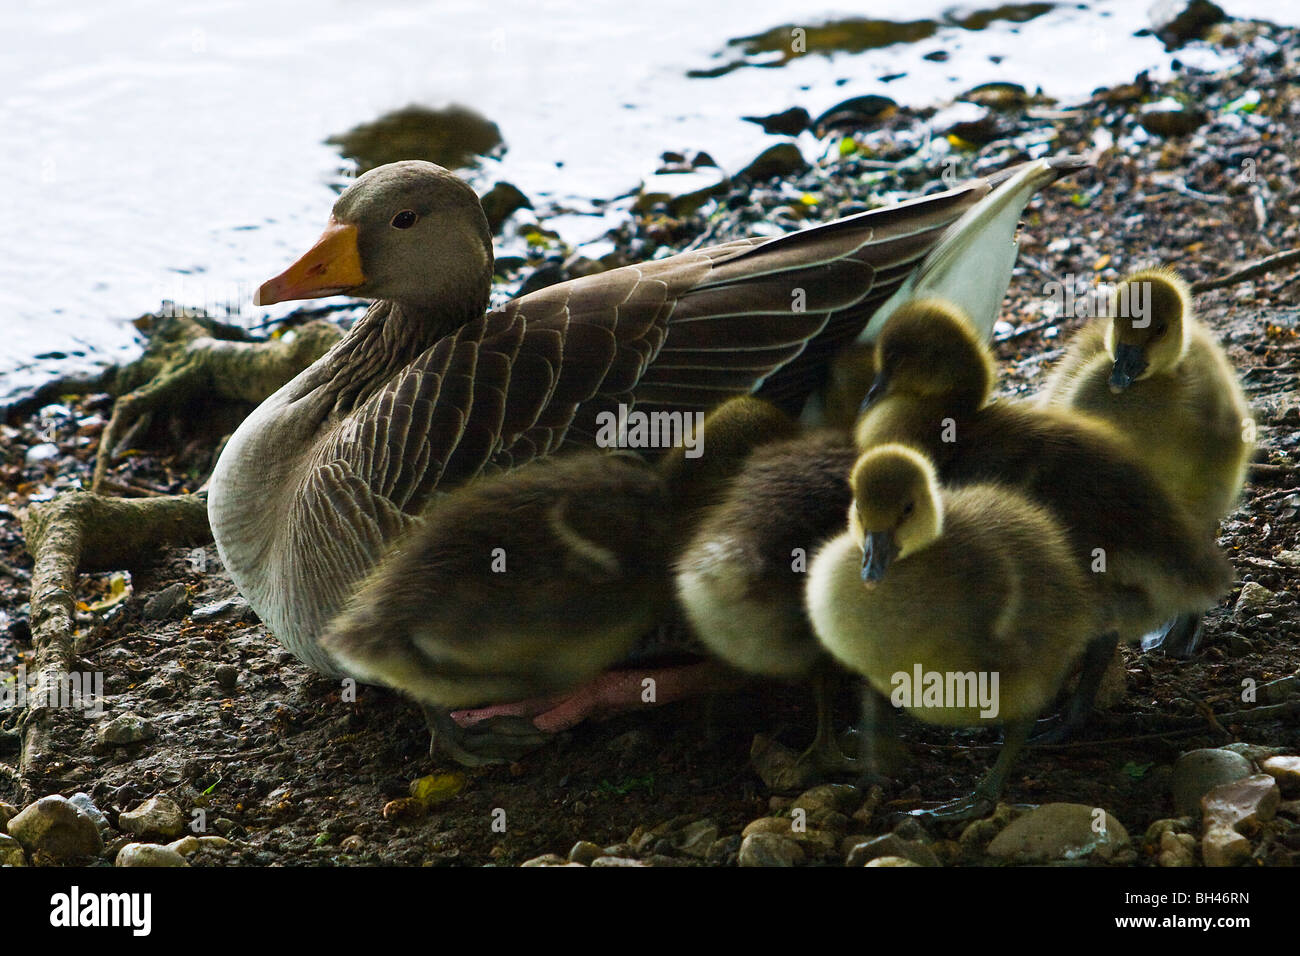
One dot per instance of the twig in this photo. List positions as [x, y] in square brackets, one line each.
[1284, 367]
[1273, 263]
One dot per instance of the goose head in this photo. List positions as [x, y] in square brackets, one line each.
[409, 232]
[1147, 334]
[896, 509]
[929, 349]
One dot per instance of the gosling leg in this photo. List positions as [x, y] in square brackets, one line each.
[1074, 716]
[984, 799]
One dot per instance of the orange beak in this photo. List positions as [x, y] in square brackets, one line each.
[330, 267]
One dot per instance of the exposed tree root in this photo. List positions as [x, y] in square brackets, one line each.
[85, 532]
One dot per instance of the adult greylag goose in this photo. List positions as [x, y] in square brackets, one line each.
[427, 391]
[1154, 371]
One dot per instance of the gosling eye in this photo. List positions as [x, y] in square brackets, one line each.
[1160, 329]
[404, 219]
[908, 509]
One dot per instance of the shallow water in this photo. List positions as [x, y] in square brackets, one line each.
[176, 150]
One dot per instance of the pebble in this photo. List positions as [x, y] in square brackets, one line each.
[778, 766]
[1176, 849]
[682, 192]
[83, 802]
[776, 162]
[148, 854]
[770, 849]
[890, 845]
[1197, 772]
[230, 609]
[696, 838]
[7, 812]
[125, 729]
[1290, 558]
[227, 676]
[839, 797]
[11, 851]
[1286, 771]
[171, 601]
[978, 833]
[45, 451]
[1224, 846]
[349, 844]
[1242, 805]
[605, 861]
[549, 859]
[1253, 599]
[1059, 831]
[891, 861]
[724, 850]
[157, 816]
[58, 828]
[585, 852]
[185, 845]
[1168, 117]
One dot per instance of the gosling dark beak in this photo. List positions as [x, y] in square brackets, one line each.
[1129, 365]
[878, 550]
[874, 393]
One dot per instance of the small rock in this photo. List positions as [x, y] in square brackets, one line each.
[777, 825]
[1059, 831]
[349, 844]
[858, 112]
[230, 609]
[547, 859]
[7, 812]
[604, 861]
[585, 852]
[977, 834]
[890, 845]
[1177, 849]
[1253, 599]
[1286, 771]
[404, 809]
[723, 850]
[1289, 558]
[45, 451]
[789, 122]
[157, 816]
[776, 162]
[148, 854]
[185, 845]
[1281, 690]
[891, 861]
[500, 202]
[682, 192]
[87, 805]
[227, 676]
[829, 796]
[1242, 805]
[1224, 846]
[769, 849]
[171, 601]
[125, 729]
[696, 838]
[1197, 772]
[1191, 23]
[217, 843]
[778, 766]
[58, 828]
[1170, 118]
[11, 851]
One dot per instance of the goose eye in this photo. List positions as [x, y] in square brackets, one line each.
[908, 509]
[404, 219]
[1160, 329]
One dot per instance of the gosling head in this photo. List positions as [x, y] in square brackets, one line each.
[411, 232]
[896, 508]
[928, 348]
[1147, 334]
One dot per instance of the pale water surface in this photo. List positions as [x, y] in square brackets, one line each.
[163, 150]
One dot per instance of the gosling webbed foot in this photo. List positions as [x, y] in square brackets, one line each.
[496, 740]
